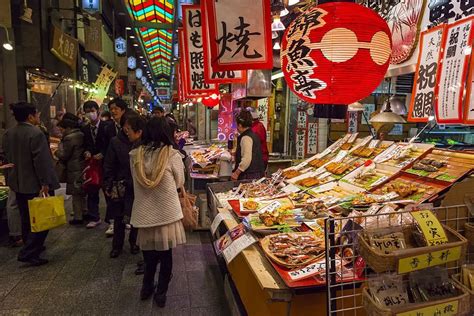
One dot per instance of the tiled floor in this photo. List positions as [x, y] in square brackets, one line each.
[81, 279]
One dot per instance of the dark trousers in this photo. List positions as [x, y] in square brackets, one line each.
[93, 206]
[152, 257]
[33, 242]
[119, 234]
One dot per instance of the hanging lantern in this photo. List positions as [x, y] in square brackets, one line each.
[336, 53]
[211, 101]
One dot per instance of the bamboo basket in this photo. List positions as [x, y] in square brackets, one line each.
[374, 309]
[457, 281]
[469, 233]
[380, 262]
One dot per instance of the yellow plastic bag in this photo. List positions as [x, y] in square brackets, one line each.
[46, 213]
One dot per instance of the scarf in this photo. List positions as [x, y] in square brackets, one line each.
[159, 163]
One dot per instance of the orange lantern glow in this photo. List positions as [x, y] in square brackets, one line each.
[336, 53]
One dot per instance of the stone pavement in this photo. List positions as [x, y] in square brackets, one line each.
[81, 279]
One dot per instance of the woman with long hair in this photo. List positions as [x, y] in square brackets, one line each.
[158, 174]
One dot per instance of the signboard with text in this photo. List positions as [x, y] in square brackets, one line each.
[65, 47]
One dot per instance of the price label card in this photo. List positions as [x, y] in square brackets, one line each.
[237, 246]
[301, 165]
[270, 207]
[386, 155]
[374, 143]
[431, 227]
[324, 175]
[379, 181]
[352, 138]
[291, 188]
[443, 309]
[217, 220]
[308, 271]
[260, 180]
[427, 260]
[326, 152]
[363, 143]
[340, 156]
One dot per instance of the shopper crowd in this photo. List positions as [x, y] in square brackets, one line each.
[138, 163]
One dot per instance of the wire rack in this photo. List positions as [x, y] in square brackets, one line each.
[344, 288]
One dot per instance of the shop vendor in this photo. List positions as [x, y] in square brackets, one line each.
[248, 158]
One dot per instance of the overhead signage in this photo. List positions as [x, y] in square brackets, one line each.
[132, 62]
[65, 47]
[120, 45]
[91, 6]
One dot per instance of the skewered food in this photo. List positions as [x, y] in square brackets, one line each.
[294, 249]
[309, 182]
[291, 173]
[318, 162]
[314, 210]
[346, 146]
[364, 152]
[337, 168]
[429, 165]
[403, 189]
[363, 199]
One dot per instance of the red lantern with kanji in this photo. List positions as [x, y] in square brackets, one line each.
[119, 87]
[336, 53]
[211, 101]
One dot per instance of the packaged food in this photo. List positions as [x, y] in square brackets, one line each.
[388, 290]
[430, 285]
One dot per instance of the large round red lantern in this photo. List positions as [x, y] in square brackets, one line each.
[211, 101]
[336, 53]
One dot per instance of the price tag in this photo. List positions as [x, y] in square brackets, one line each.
[324, 175]
[386, 155]
[291, 188]
[379, 181]
[301, 165]
[427, 260]
[326, 152]
[217, 220]
[352, 138]
[308, 271]
[260, 180]
[237, 246]
[325, 187]
[340, 156]
[388, 196]
[270, 207]
[363, 143]
[443, 309]
[374, 143]
[431, 227]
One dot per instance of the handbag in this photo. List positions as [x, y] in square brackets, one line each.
[61, 172]
[190, 211]
[92, 176]
[117, 192]
[46, 213]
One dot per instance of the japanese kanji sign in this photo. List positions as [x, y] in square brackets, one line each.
[312, 146]
[65, 47]
[103, 82]
[453, 69]
[194, 51]
[262, 108]
[240, 34]
[325, 54]
[93, 36]
[423, 94]
[448, 11]
[300, 143]
[429, 259]
[352, 121]
[229, 76]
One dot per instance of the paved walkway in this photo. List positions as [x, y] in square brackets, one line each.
[81, 279]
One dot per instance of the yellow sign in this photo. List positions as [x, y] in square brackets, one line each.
[429, 259]
[103, 82]
[444, 309]
[431, 227]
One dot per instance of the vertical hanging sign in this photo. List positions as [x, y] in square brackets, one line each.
[423, 94]
[240, 34]
[194, 51]
[229, 76]
[184, 74]
[312, 146]
[453, 70]
[352, 121]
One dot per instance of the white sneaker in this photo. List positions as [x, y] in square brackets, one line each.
[110, 231]
[94, 224]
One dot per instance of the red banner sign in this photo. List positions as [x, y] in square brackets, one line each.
[454, 63]
[240, 34]
[194, 52]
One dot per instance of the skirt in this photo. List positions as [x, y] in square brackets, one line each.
[161, 238]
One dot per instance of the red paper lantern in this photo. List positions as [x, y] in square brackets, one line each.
[211, 101]
[119, 87]
[336, 53]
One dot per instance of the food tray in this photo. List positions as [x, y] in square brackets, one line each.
[374, 309]
[380, 262]
[457, 281]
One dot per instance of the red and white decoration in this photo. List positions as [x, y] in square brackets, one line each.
[328, 51]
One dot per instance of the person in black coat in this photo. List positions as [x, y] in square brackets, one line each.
[94, 148]
[118, 185]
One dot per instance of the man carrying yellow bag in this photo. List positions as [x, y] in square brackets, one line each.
[46, 213]
[32, 175]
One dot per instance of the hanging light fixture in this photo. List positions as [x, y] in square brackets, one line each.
[7, 45]
[27, 13]
[276, 46]
[387, 116]
[277, 25]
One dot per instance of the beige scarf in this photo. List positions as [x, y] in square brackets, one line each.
[159, 163]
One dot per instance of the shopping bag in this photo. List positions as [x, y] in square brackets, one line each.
[190, 211]
[92, 176]
[46, 213]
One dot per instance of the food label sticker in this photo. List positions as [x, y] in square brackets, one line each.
[270, 207]
[217, 220]
[291, 188]
[308, 271]
[443, 309]
[427, 260]
[431, 227]
[238, 246]
[340, 156]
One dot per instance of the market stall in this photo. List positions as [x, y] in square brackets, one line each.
[278, 235]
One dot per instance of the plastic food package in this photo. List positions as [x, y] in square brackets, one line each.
[430, 285]
[388, 290]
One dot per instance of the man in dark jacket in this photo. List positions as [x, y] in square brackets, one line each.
[33, 174]
[94, 148]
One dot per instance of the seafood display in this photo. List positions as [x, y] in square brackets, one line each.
[293, 249]
[429, 165]
[316, 163]
[257, 189]
[364, 152]
[402, 188]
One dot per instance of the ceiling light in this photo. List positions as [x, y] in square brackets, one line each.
[128, 28]
[277, 25]
[135, 44]
[8, 45]
[132, 37]
[277, 46]
[284, 12]
[56, 74]
[37, 69]
[293, 2]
